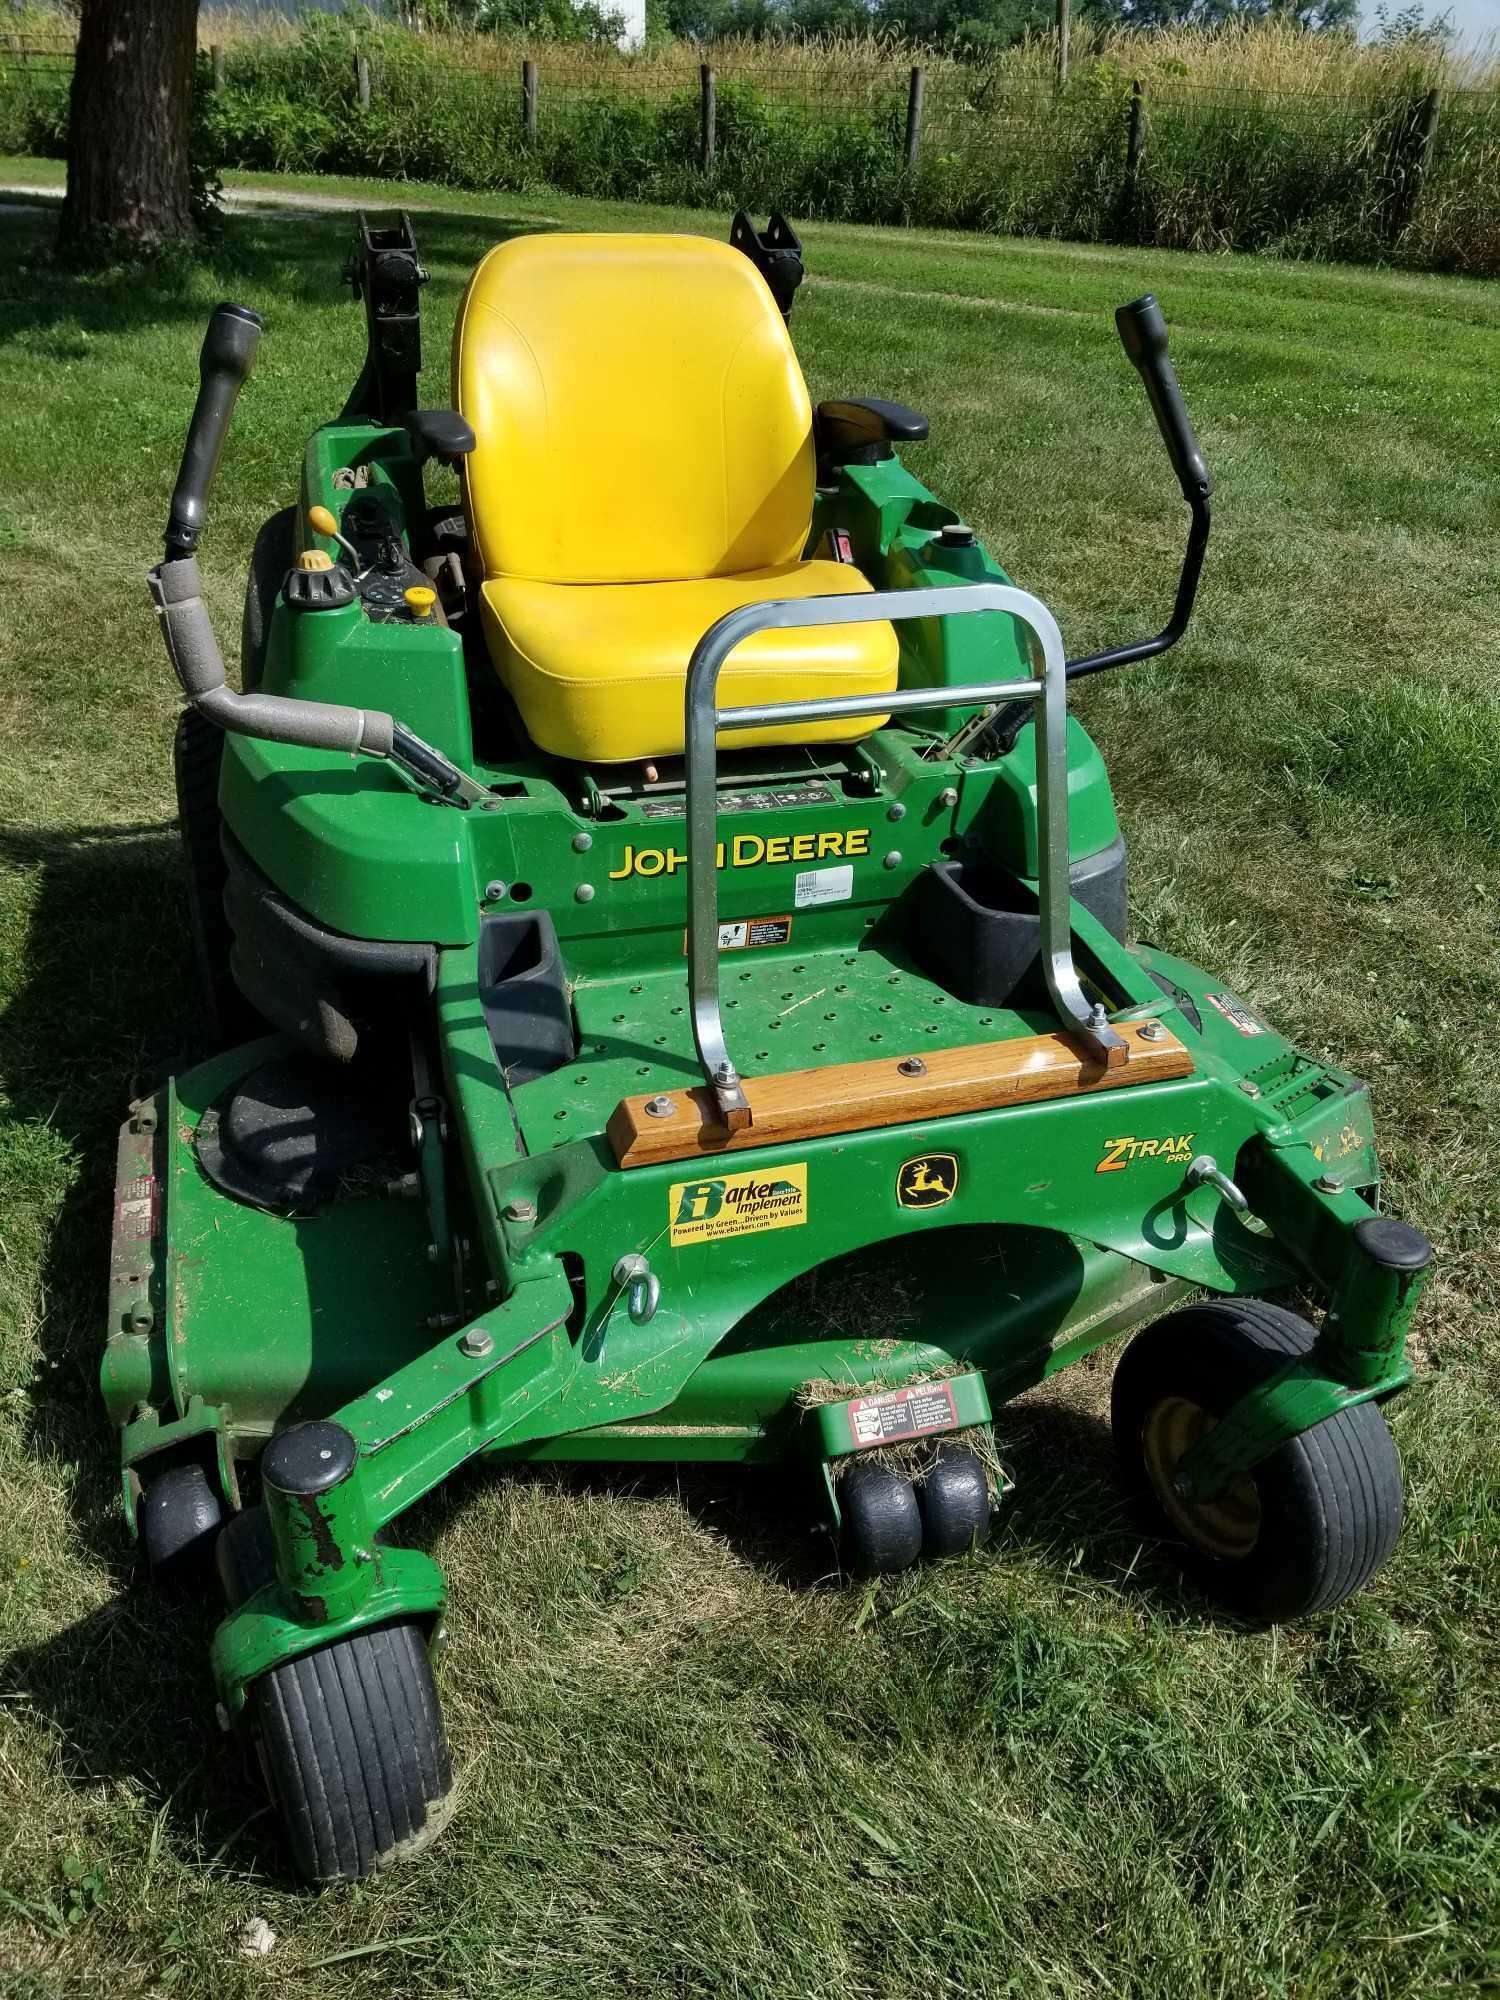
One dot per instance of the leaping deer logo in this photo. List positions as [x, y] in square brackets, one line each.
[927, 1181]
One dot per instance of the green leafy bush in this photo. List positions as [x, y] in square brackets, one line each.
[1248, 164]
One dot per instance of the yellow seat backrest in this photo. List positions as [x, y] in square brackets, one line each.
[638, 411]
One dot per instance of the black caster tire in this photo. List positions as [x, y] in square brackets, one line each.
[352, 1744]
[178, 1517]
[1304, 1529]
[882, 1522]
[954, 1498]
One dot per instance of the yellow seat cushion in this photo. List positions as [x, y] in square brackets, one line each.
[638, 412]
[598, 670]
[643, 463]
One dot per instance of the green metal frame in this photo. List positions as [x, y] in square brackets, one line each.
[488, 1317]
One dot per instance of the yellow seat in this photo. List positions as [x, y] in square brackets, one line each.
[643, 464]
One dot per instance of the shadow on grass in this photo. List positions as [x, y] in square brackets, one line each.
[292, 257]
[126, 1694]
[105, 1012]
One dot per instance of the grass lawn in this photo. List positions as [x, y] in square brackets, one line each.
[691, 1763]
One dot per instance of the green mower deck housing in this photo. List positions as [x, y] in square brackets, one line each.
[483, 1182]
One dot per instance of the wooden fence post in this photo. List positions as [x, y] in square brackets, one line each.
[1427, 124]
[362, 77]
[217, 53]
[1135, 143]
[914, 116]
[528, 101]
[1411, 156]
[708, 118]
[1062, 44]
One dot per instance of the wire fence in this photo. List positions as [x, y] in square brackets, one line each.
[1397, 171]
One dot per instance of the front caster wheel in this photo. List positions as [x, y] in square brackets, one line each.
[954, 1496]
[351, 1740]
[1299, 1532]
[178, 1517]
[882, 1523]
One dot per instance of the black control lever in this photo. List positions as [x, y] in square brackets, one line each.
[225, 360]
[1143, 334]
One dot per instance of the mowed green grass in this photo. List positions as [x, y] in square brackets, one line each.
[691, 1763]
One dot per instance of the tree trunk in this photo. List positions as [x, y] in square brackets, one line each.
[130, 182]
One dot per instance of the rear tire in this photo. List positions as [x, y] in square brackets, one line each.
[270, 559]
[178, 1517]
[1304, 1529]
[351, 1740]
[197, 755]
[882, 1523]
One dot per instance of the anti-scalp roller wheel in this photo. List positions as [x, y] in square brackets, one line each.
[882, 1522]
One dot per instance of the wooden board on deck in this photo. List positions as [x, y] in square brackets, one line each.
[853, 1097]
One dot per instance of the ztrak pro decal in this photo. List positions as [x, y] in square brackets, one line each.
[737, 1204]
[902, 1413]
[748, 850]
[1122, 1153]
[927, 1181]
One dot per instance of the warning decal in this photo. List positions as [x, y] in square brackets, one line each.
[136, 1210]
[751, 933]
[1236, 1013]
[902, 1413]
[737, 1204]
[778, 800]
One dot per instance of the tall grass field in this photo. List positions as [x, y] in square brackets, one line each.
[693, 1763]
[1265, 138]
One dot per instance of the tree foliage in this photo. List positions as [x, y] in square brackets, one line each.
[982, 24]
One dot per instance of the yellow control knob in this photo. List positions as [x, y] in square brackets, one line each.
[322, 520]
[420, 600]
[315, 559]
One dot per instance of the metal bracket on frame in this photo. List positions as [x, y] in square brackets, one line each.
[704, 719]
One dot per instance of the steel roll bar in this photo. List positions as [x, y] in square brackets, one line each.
[703, 719]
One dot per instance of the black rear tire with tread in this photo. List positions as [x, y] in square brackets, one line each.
[270, 559]
[352, 1741]
[1330, 1500]
[197, 755]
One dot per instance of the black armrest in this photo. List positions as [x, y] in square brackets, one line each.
[861, 429]
[440, 434]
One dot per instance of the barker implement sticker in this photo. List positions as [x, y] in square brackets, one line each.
[1236, 1013]
[823, 885]
[738, 1204]
[903, 1413]
[927, 1181]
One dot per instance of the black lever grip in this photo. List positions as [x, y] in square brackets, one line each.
[227, 354]
[1143, 335]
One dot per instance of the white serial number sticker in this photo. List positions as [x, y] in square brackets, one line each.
[823, 885]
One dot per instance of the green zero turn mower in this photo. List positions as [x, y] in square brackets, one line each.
[658, 894]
